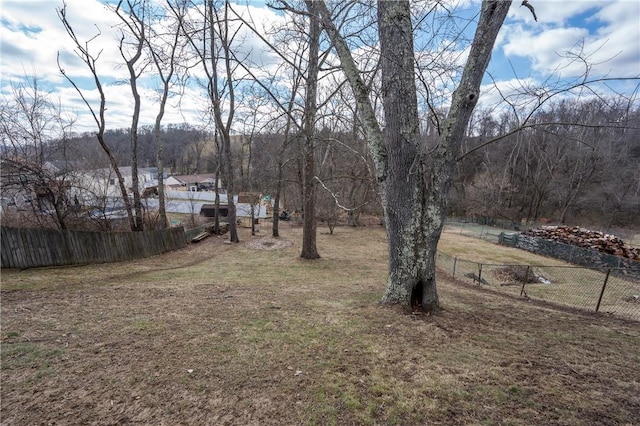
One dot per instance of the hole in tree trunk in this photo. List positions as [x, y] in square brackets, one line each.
[416, 296]
[422, 299]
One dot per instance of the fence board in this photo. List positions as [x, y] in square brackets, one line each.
[28, 248]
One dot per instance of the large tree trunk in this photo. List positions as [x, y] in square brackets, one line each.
[220, 28]
[216, 219]
[412, 253]
[414, 188]
[309, 231]
[412, 268]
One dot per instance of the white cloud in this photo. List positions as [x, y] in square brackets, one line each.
[546, 50]
[555, 12]
[38, 49]
[608, 35]
[32, 36]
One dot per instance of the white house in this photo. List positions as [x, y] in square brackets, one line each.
[98, 186]
[193, 183]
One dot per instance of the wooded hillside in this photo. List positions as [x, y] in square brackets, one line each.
[553, 170]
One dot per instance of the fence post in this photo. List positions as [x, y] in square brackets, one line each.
[524, 282]
[479, 273]
[604, 285]
[455, 261]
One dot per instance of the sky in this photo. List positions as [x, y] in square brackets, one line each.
[32, 37]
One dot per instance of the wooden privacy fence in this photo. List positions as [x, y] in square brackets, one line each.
[29, 248]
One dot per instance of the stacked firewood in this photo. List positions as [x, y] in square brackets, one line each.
[586, 238]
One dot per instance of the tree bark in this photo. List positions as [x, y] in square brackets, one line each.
[166, 76]
[309, 230]
[275, 230]
[412, 272]
[135, 184]
[227, 167]
[223, 126]
[136, 26]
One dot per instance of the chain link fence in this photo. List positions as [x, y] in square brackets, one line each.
[601, 290]
[475, 230]
[490, 229]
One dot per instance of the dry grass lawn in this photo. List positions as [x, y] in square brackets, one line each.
[219, 334]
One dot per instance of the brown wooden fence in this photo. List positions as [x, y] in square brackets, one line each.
[30, 248]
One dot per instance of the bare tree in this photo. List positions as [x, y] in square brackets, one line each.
[551, 168]
[27, 116]
[38, 193]
[283, 89]
[91, 60]
[252, 180]
[216, 224]
[134, 25]
[307, 126]
[309, 234]
[211, 40]
[34, 188]
[414, 183]
[345, 178]
[166, 50]
[286, 140]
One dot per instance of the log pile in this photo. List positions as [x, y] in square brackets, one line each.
[586, 238]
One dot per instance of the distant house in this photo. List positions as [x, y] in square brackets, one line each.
[30, 186]
[244, 202]
[103, 183]
[172, 183]
[193, 183]
[195, 194]
[36, 187]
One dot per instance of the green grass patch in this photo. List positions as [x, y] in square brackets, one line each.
[17, 355]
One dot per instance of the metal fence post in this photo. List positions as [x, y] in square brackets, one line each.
[479, 273]
[524, 282]
[455, 261]
[604, 285]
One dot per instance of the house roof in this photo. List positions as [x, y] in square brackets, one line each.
[124, 171]
[171, 180]
[198, 178]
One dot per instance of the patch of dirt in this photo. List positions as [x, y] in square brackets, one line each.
[519, 274]
[268, 243]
